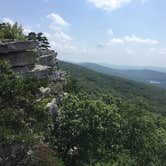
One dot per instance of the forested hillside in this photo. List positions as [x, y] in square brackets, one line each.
[97, 84]
[82, 119]
[142, 75]
[114, 120]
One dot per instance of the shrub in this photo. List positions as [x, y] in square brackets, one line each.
[13, 32]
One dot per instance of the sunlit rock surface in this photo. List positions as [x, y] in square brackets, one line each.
[8, 47]
[27, 59]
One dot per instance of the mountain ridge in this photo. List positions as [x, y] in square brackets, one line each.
[141, 75]
[94, 83]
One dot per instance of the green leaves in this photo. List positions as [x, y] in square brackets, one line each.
[21, 117]
[40, 39]
[8, 31]
[85, 125]
[95, 133]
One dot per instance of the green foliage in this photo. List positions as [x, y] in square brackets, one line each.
[98, 124]
[144, 75]
[13, 32]
[43, 156]
[72, 86]
[21, 116]
[90, 132]
[40, 39]
[96, 84]
[84, 130]
[24, 119]
[110, 121]
[32, 36]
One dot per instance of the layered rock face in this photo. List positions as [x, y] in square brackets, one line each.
[26, 59]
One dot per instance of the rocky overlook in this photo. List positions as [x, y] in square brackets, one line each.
[27, 59]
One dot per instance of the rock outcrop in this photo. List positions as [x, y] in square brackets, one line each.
[30, 61]
[26, 59]
[8, 47]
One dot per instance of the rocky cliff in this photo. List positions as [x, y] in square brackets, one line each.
[28, 60]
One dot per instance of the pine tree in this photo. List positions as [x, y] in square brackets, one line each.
[42, 41]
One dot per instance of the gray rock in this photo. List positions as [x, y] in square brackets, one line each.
[52, 108]
[48, 52]
[17, 46]
[36, 63]
[40, 72]
[49, 60]
[17, 59]
[45, 91]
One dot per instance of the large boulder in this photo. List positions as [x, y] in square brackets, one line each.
[17, 46]
[40, 72]
[17, 59]
[52, 107]
[49, 60]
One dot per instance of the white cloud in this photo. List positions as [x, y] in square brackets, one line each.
[110, 5]
[64, 47]
[48, 35]
[27, 30]
[115, 41]
[62, 36]
[133, 39]
[61, 41]
[57, 36]
[7, 20]
[57, 20]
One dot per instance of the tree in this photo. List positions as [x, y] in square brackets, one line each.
[32, 36]
[40, 39]
[87, 131]
[14, 32]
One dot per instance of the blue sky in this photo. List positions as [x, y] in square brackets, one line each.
[122, 32]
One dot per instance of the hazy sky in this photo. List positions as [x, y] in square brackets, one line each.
[123, 32]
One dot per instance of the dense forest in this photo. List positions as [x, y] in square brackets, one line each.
[96, 84]
[102, 120]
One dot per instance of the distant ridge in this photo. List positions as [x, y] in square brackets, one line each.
[143, 75]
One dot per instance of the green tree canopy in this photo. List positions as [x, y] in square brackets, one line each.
[40, 39]
[21, 117]
[14, 32]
